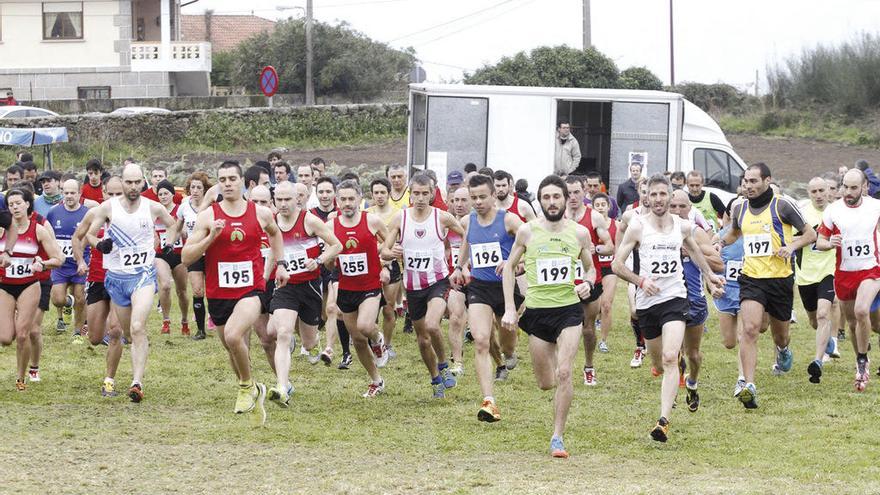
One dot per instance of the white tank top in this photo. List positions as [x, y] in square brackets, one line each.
[660, 260]
[424, 254]
[133, 234]
[188, 214]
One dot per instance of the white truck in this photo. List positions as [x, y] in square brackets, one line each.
[513, 128]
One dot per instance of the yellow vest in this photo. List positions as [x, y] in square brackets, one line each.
[401, 202]
[763, 234]
[815, 265]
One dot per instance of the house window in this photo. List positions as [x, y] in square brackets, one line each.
[62, 20]
[93, 92]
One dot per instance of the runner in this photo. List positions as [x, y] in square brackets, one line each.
[815, 280]
[360, 279]
[325, 188]
[99, 310]
[601, 203]
[638, 208]
[553, 316]
[850, 226]
[228, 235]
[661, 295]
[157, 175]
[131, 277]
[422, 231]
[64, 219]
[601, 244]
[488, 237]
[262, 196]
[380, 189]
[93, 188]
[765, 222]
[168, 266]
[196, 185]
[456, 305]
[698, 311]
[707, 203]
[399, 195]
[34, 251]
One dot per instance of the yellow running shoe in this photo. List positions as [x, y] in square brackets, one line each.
[252, 398]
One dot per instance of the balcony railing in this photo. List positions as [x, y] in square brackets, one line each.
[181, 57]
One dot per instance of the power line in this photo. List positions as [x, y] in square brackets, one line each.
[420, 31]
[473, 24]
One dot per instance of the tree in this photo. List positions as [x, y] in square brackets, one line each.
[640, 78]
[344, 61]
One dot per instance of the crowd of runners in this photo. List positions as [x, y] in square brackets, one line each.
[314, 265]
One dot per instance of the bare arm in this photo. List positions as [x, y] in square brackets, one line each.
[633, 233]
[523, 236]
[586, 258]
[390, 248]
[332, 246]
[525, 211]
[99, 219]
[77, 243]
[715, 283]
[47, 239]
[172, 230]
[713, 258]
[451, 223]
[203, 235]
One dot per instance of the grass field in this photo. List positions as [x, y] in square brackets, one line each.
[60, 436]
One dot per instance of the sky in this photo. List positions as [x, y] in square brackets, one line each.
[715, 40]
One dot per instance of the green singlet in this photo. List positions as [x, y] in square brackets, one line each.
[550, 260]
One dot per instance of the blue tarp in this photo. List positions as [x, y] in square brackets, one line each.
[13, 136]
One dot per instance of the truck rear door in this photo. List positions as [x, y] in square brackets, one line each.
[638, 128]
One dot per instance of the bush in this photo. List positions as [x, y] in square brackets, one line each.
[559, 66]
[640, 78]
[717, 97]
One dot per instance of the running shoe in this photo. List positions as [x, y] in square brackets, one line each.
[106, 339]
[501, 373]
[314, 357]
[511, 362]
[456, 369]
[108, 388]
[60, 326]
[740, 385]
[378, 348]
[468, 337]
[327, 357]
[166, 327]
[488, 412]
[346, 362]
[184, 328]
[392, 354]
[67, 310]
[831, 349]
[557, 448]
[136, 393]
[589, 377]
[682, 368]
[407, 325]
[375, 389]
[660, 432]
[248, 398]
[439, 390]
[20, 385]
[199, 335]
[748, 395]
[638, 356]
[84, 330]
[692, 399]
[34, 374]
[841, 334]
[603, 347]
[862, 375]
[279, 396]
[815, 370]
[655, 372]
[783, 362]
[399, 310]
[449, 380]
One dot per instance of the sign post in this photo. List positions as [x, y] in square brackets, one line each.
[269, 82]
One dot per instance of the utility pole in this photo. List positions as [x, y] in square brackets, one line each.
[671, 48]
[587, 28]
[310, 88]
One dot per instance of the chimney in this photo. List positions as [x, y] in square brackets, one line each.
[208, 15]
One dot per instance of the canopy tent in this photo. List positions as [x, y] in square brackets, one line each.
[41, 136]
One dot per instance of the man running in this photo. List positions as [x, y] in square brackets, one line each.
[64, 220]
[602, 204]
[196, 185]
[765, 222]
[360, 279]
[553, 317]
[815, 280]
[661, 295]
[380, 190]
[456, 305]
[707, 203]
[422, 231]
[850, 226]
[488, 237]
[638, 208]
[131, 276]
[301, 298]
[228, 235]
[399, 195]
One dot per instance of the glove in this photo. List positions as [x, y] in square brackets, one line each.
[105, 245]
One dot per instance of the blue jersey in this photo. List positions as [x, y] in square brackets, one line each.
[489, 246]
[732, 256]
[693, 280]
[64, 223]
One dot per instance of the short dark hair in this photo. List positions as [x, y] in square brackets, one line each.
[421, 179]
[481, 180]
[230, 164]
[599, 196]
[501, 175]
[274, 154]
[658, 179]
[282, 164]
[486, 171]
[317, 160]
[325, 178]
[94, 164]
[159, 169]
[252, 174]
[521, 186]
[28, 165]
[562, 121]
[15, 169]
[26, 156]
[381, 181]
[762, 168]
[592, 174]
[263, 164]
[553, 180]
[574, 179]
[350, 184]
[25, 195]
[677, 175]
[351, 176]
[470, 167]
[394, 166]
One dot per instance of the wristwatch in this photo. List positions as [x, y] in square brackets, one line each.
[281, 263]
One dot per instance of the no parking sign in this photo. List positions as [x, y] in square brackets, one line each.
[269, 81]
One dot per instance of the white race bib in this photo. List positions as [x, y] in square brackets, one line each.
[235, 275]
[758, 245]
[296, 260]
[19, 268]
[419, 261]
[454, 251]
[551, 271]
[857, 249]
[578, 270]
[659, 265]
[733, 269]
[352, 265]
[486, 255]
[66, 247]
[606, 258]
[135, 257]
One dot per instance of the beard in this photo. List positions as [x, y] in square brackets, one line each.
[501, 197]
[555, 217]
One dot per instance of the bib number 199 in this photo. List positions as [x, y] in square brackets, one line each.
[553, 271]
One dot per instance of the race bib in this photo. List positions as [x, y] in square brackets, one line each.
[454, 252]
[135, 257]
[352, 265]
[163, 241]
[296, 260]
[551, 271]
[236, 274]
[857, 249]
[19, 268]
[66, 247]
[578, 270]
[419, 261]
[758, 245]
[189, 226]
[606, 258]
[733, 269]
[486, 255]
[660, 265]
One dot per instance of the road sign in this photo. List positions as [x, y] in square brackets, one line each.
[269, 81]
